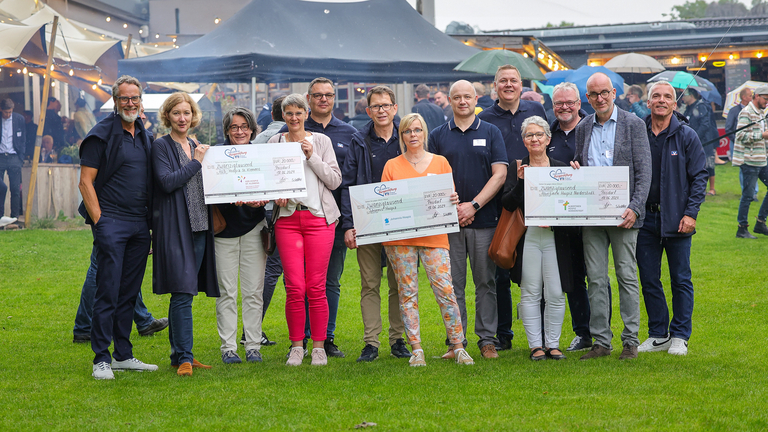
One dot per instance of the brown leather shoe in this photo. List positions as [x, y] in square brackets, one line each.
[450, 355]
[489, 351]
[629, 352]
[596, 351]
[185, 369]
[196, 364]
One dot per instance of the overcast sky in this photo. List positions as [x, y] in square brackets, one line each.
[519, 14]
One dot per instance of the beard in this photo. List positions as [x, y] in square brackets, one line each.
[127, 117]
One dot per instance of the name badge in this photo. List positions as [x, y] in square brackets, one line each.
[609, 154]
[18, 134]
[478, 143]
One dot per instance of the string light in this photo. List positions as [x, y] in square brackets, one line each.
[93, 86]
[157, 35]
[99, 82]
[71, 72]
[24, 70]
[109, 19]
[125, 25]
[216, 20]
[760, 55]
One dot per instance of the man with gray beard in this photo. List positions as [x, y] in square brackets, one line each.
[116, 184]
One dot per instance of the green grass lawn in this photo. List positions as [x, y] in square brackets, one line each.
[46, 383]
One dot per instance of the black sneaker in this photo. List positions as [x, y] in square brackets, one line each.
[369, 354]
[83, 338]
[156, 326]
[503, 344]
[331, 350]
[399, 349]
[265, 340]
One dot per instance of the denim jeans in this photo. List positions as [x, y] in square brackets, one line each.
[12, 164]
[141, 315]
[751, 175]
[180, 312]
[650, 246]
[504, 304]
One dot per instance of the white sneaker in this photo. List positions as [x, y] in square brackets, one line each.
[679, 347]
[5, 220]
[655, 344]
[319, 358]
[462, 357]
[295, 356]
[132, 364]
[102, 370]
[417, 358]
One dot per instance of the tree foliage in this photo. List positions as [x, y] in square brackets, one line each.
[562, 24]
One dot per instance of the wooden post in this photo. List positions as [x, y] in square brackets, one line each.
[128, 46]
[40, 126]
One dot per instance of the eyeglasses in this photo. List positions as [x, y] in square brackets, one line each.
[377, 108]
[539, 136]
[604, 94]
[319, 96]
[124, 99]
[412, 131]
[235, 128]
[569, 104]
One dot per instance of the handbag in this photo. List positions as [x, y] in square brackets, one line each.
[268, 241]
[219, 223]
[509, 231]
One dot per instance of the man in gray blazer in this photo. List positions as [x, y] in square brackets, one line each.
[614, 137]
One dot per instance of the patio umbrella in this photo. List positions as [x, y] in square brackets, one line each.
[634, 63]
[731, 97]
[683, 80]
[582, 74]
[556, 77]
[487, 62]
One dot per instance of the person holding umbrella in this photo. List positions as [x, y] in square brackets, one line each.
[699, 116]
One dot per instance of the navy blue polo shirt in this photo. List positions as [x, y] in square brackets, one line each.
[124, 196]
[562, 146]
[509, 124]
[657, 144]
[382, 151]
[340, 134]
[471, 154]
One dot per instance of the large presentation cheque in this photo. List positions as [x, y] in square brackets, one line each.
[253, 172]
[590, 196]
[403, 209]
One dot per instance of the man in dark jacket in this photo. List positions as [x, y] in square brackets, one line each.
[371, 148]
[432, 113]
[12, 143]
[116, 185]
[678, 181]
[699, 115]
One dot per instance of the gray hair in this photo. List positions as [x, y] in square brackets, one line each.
[6, 104]
[538, 121]
[666, 83]
[296, 100]
[125, 79]
[244, 113]
[565, 86]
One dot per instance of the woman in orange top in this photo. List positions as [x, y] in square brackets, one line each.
[416, 161]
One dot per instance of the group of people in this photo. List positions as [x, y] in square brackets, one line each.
[131, 182]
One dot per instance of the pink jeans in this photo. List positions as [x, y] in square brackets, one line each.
[305, 243]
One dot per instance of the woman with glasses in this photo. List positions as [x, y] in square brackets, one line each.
[416, 161]
[239, 252]
[182, 228]
[543, 266]
[305, 231]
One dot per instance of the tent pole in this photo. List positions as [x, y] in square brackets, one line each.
[40, 126]
[253, 95]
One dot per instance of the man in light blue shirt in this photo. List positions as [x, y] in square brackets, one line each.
[614, 137]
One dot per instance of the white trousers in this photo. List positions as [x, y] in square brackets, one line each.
[246, 256]
[540, 276]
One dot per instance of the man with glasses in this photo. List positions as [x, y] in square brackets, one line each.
[475, 150]
[375, 144]
[116, 185]
[562, 147]
[749, 154]
[614, 137]
[508, 114]
[321, 97]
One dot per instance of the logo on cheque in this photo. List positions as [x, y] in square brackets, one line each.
[384, 190]
[234, 153]
[559, 175]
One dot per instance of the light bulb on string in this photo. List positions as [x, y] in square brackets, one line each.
[99, 83]
[24, 70]
[71, 72]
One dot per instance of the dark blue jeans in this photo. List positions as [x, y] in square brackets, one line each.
[650, 246]
[141, 315]
[12, 164]
[272, 273]
[751, 175]
[122, 258]
[180, 312]
[504, 304]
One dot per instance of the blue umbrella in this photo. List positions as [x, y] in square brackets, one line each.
[711, 94]
[581, 75]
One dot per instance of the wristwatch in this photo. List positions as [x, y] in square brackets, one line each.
[475, 205]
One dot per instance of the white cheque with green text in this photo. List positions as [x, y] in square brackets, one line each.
[403, 209]
[589, 196]
[253, 172]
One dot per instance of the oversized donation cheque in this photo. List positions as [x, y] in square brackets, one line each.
[253, 172]
[403, 209]
[589, 196]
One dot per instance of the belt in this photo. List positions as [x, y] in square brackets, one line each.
[653, 208]
[8, 154]
[302, 207]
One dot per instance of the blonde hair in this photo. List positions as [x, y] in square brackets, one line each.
[175, 99]
[405, 123]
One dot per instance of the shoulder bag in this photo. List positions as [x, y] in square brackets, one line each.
[509, 231]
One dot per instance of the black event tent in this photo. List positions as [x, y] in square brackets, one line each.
[297, 40]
